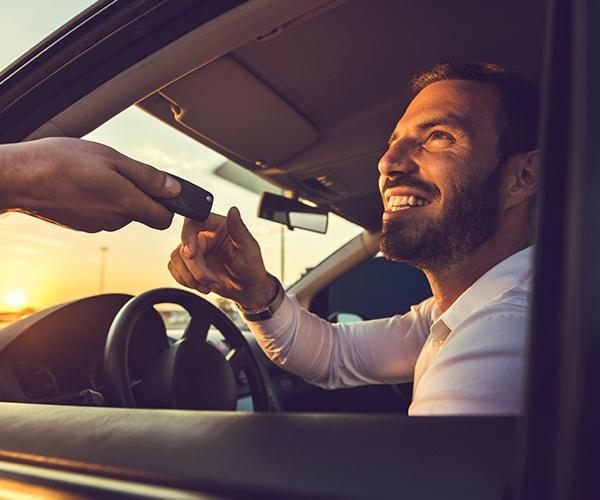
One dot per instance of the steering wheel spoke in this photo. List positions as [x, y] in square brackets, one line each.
[198, 326]
[237, 359]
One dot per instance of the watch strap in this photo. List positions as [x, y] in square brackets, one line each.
[265, 312]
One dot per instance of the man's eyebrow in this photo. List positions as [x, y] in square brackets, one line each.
[448, 120]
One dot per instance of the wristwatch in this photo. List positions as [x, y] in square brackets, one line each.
[265, 312]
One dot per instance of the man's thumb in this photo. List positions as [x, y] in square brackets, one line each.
[152, 181]
[238, 232]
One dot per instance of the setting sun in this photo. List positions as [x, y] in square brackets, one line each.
[15, 298]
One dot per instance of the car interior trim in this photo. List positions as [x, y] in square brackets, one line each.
[101, 47]
[357, 250]
[199, 447]
[209, 41]
[28, 479]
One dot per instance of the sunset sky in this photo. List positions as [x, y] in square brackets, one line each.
[43, 264]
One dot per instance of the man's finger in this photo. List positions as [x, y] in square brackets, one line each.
[198, 266]
[144, 209]
[175, 274]
[177, 266]
[190, 230]
[203, 289]
[238, 232]
[150, 180]
[136, 192]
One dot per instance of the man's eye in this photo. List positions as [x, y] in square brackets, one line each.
[439, 135]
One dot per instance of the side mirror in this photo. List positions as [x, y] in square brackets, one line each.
[292, 213]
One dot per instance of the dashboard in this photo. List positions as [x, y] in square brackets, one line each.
[56, 356]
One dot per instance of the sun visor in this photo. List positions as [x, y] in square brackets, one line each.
[342, 179]
[228, 106]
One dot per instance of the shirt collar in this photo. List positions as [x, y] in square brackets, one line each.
[511, 272]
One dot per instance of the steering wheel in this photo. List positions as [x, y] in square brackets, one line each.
[190, 373]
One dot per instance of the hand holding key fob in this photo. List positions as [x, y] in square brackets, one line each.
[192, 202]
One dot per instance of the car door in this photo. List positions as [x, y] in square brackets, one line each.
[558, 455]
[375, 288]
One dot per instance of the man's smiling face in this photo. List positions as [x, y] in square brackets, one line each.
[440, 177]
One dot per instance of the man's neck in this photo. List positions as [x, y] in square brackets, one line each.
[449, 284]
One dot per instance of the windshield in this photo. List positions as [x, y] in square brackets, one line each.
[25, 24]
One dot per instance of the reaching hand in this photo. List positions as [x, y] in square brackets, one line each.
[220, 255]
[83, 185]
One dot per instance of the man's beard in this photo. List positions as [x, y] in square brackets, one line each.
[469, 219]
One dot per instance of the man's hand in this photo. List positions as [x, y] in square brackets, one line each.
[220, 255]
[82, 185]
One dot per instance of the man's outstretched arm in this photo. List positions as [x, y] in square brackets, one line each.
[382, 351]
[82, 185]
[220, 255]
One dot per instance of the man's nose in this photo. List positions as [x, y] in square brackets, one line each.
[398, 159]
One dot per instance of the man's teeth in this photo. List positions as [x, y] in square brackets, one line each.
[396, 203]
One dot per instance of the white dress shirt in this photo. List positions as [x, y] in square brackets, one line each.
[467, 361]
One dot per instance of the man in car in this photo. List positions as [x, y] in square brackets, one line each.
[458, 182]
[82, 185]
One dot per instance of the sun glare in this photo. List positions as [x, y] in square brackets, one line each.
[15, 299]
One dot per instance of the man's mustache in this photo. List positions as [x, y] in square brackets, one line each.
[403, 180]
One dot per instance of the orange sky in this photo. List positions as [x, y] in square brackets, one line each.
[51, 264]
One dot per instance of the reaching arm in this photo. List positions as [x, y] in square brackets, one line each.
[82, 185]
[382, 351]
[220, 255]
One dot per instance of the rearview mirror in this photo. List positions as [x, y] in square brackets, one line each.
[292, 213]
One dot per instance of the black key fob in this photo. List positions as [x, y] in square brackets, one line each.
[192, 202]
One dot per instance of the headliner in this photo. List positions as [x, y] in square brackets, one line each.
[310, 106]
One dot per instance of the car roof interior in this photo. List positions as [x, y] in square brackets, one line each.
[309, 102]
[310, 105]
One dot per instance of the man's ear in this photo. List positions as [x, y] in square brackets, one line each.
[521, 178]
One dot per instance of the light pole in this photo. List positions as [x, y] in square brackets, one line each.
[103, 251]
[282, 260]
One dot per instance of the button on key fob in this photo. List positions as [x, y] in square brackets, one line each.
[192, 202]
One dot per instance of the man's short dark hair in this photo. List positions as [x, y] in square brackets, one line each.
[519, 100]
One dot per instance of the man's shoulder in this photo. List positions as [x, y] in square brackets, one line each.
[425, 308]
[503, 321]
[419, 317]
[518, 298]
[513, 302]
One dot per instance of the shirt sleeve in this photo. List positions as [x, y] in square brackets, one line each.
[340, 355]
[479, 370]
